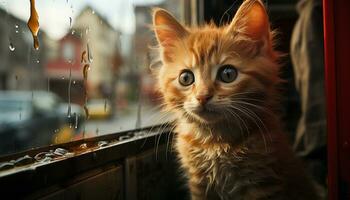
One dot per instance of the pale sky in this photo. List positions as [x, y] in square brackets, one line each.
[54, 14]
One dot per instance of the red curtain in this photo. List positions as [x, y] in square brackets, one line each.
[336, 14]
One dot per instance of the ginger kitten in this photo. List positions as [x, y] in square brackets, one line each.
[221, 83]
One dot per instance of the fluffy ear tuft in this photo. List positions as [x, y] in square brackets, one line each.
[252, 20]
[167, 28]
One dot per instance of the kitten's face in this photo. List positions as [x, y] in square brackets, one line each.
[213, 74]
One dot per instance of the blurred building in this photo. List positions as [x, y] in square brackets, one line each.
[144, 40]
[90, 33]
[21, 67]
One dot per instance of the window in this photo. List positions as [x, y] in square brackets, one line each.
[108, 38]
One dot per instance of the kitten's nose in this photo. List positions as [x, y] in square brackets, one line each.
[203, 99]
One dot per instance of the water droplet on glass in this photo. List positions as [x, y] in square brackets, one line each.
[86, 68]
[33, 24]
[70, 22]
[89, 53]
[76, 121]
[83, 146]
[83, 57]
[102, 143]
[25, 160]
[60, 152]
[11, 47]
[69, 89]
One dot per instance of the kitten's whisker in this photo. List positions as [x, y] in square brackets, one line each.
[249, 114]
[243, 122]
[237, 121]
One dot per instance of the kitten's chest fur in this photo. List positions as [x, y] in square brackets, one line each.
[218, 170]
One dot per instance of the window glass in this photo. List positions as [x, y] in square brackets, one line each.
[89, 77]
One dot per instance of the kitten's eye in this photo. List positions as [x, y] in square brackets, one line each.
[227, 73]
[186, 78]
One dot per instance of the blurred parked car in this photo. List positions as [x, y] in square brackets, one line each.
[34, 119]
[99, 109]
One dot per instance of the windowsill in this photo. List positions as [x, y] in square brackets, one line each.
[38, 174]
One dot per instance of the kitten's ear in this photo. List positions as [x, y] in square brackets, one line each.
[252, 20]
[166, 28]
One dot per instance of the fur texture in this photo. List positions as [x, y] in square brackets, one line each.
[229, 138]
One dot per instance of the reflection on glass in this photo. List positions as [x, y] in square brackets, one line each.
[43, 91]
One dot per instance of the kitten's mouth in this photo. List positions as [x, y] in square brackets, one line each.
[205, 114]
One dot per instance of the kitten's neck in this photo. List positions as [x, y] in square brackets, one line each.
[224, 132]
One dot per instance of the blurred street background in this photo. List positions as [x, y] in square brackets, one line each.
[46, 88]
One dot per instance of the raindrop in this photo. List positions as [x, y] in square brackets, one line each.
[60, 152]
[86, 68]
[73, 82]
[33, 24]
[97, 131]
[83, 57]
[102, 143]
[105, 105]
[83, 146]
[73, 31]
[16, 31]
[69, 89]
[11, 47]
[86, 111]
[87, 30]
[25, 160]
[124, 137]
[70, 22]
[76, 121]
[6, 165]
[62, 77]
[56, 130]
[89, 54]
[37, 61]
[16, 26]
[93, 12]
